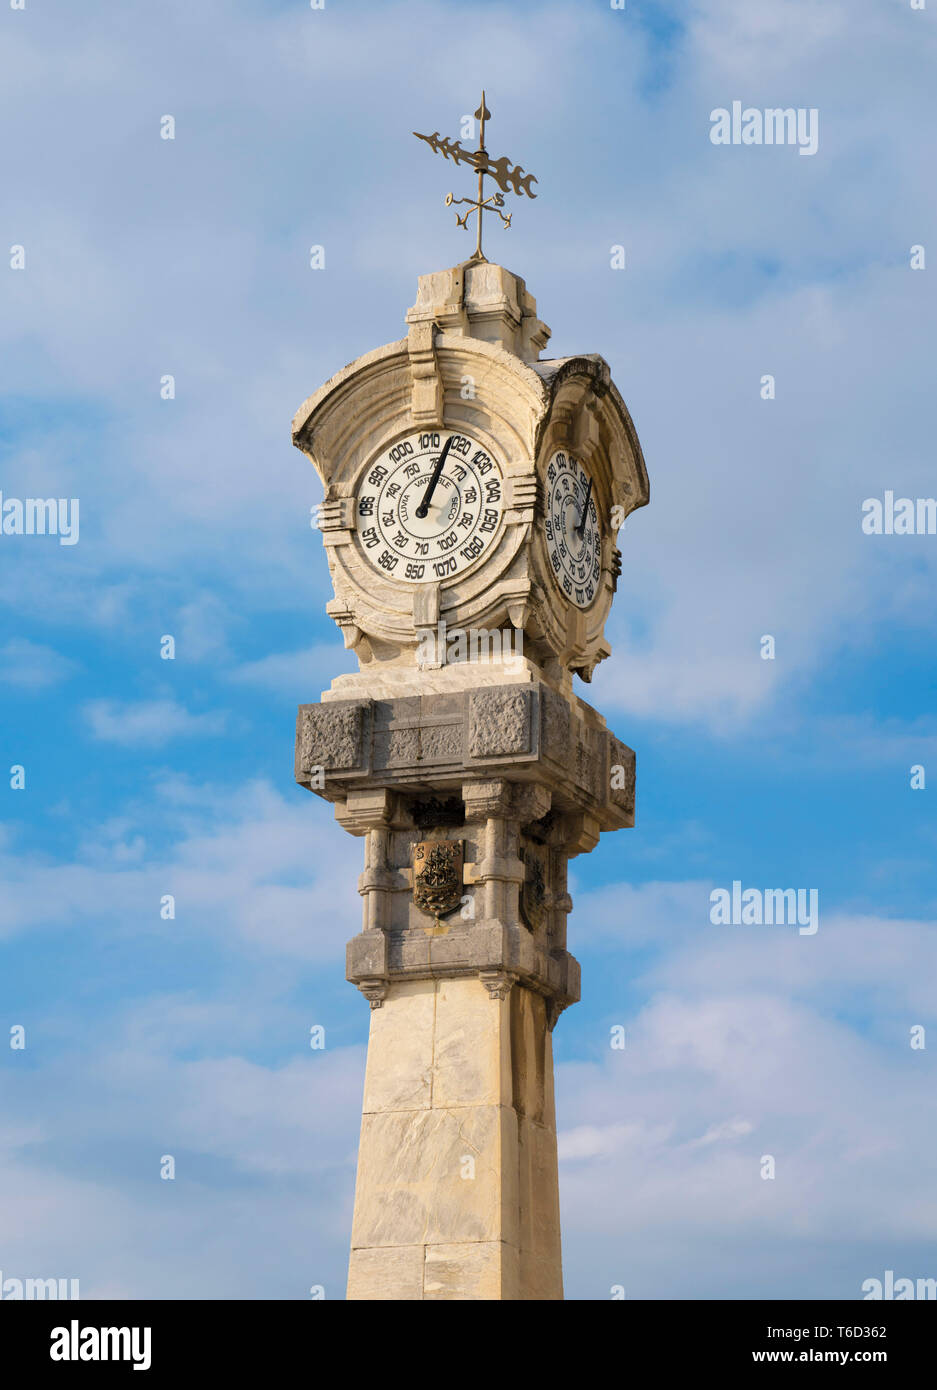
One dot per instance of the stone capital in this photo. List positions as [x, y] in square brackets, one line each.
[362, 811]
[484, 800]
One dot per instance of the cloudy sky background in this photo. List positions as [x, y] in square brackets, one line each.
[146, 777]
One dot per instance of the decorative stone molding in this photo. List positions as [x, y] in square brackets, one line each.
[499, 722]
[330, 736]
[375, 991]
[465, 741]
[497, 982]
[426, 404]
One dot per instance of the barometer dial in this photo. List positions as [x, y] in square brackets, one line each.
[429, 507]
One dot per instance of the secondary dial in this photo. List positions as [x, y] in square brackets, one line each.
[572, 529]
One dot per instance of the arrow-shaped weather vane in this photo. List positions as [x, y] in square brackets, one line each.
[511, 179]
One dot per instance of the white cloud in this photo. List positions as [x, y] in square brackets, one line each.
[32, 666]
[149, 723]
[750, 1043]
[725, 1131]
[304, 673]
[260, 1205]
[246, 866]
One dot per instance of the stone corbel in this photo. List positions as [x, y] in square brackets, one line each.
[585, 669]
[426, 402]
[497, 982]
[531, 802]
[515, 595]
[374, 991]
[555, 1006]
[362, 811]
[344, 616]
[575, 833]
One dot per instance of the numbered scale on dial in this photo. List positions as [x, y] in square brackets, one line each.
[421, 523]
[572, 530]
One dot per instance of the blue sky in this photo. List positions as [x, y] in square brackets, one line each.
[146, 777]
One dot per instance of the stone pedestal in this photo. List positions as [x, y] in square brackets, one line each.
[457, 1193]
[457, 1181]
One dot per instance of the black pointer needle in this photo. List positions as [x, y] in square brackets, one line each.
[423, 508]
[585, 511]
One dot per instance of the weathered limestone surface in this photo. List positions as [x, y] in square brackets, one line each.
[457, 1192]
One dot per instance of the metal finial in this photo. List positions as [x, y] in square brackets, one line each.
[510, 178]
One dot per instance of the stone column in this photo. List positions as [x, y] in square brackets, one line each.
[457, 1189]
[457, 1192]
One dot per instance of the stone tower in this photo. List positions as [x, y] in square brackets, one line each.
[473, 495]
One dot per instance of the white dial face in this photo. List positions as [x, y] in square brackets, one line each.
[572, 530]
[418, 522]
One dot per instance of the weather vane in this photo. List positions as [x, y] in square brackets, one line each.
[509, 179]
